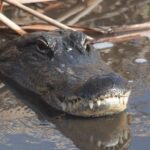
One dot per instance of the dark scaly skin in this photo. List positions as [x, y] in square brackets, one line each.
[67, 73]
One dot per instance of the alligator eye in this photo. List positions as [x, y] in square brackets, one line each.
[42, 46]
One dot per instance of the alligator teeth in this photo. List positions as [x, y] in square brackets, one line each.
[126, 100]
[2, 85]
[128, 93]
[102, 97]
[120, 100]
[98, 102]
[116, 100]
[63, 106]
[125, 134]
[69, 106]
[91, 105]
[108, 100]
[74, 105]
[99, 143]
[121, 140]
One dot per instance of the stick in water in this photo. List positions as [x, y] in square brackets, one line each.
[11, 24]
[41, 16]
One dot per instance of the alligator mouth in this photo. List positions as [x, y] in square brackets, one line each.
[107, 104]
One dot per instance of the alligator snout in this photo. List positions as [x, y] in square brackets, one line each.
[104, 85]
[99, 96]
[67, 73]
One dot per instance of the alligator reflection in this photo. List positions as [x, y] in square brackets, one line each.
[87, 134]
[92, 134]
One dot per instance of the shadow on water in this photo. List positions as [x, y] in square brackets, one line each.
[95, 133]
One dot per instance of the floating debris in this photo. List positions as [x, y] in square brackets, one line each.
[103, 45]
[140, 60]
[130, 81]
[2, 85]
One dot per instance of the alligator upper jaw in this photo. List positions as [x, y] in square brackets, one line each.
[100, 106]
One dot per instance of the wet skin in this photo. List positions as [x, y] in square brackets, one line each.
[66, 72]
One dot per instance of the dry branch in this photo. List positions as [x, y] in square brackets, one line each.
[84, 12]
[39, 15]
[31, 1]
[11, 24]
[70, 12]
[131, 28]
[138, 31]
[120, 38]
[52, 6]
[115, 13]
[1, 6]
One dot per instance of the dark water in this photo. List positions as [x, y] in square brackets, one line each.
[28, 124]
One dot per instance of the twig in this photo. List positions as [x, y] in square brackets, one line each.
[84, 12]
[122, 29]
[131, 28]
[111, 38]
[41, 16]
[11, 24]
[71, 12]
[33, 1]
[37, 14]
[114, 13]
[52, 6]
[122, 32]
[1, 5]
[122, 38]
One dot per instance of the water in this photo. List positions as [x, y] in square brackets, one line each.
[28, 124]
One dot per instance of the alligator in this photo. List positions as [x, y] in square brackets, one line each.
[66, 72]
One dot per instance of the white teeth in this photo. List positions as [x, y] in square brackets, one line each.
[99, 143]
[63, 106]
[116, 100]
[126, 100]
[128, 93]
[121, 100]
[99, 103]
[121, 140]
[125, 134]
[108, 100]
[69, 106]
[2, 85]
[111, 101]
[91, 105]
[74, 106]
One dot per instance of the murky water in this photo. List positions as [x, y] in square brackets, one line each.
[28, 124]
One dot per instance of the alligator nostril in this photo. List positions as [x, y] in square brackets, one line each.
[103, 85]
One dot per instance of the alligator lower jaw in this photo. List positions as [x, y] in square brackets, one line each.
[97, 107]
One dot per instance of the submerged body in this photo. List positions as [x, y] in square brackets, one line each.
[66, 72]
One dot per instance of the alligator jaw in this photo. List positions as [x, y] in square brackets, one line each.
[103, 105]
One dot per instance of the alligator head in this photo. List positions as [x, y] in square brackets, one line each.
[66, 72]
